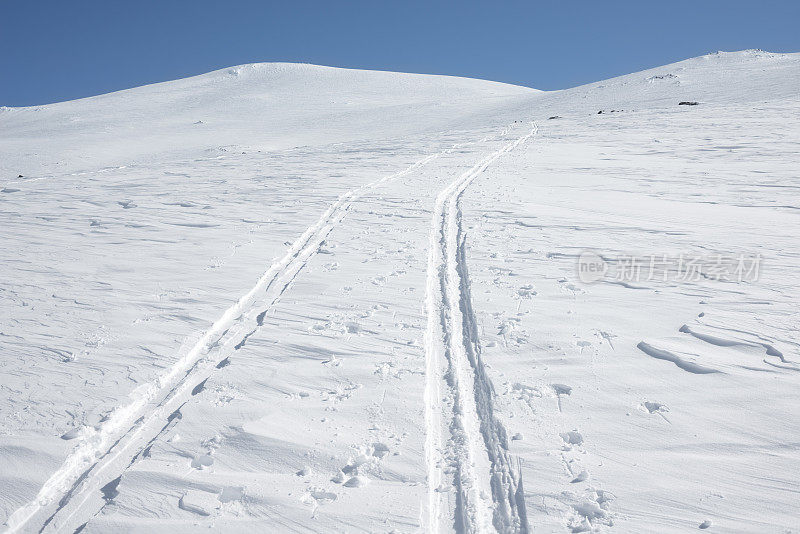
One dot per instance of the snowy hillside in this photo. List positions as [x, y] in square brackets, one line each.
[265, 106]
[294, 298]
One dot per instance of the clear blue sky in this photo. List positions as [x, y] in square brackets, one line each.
[54, 50]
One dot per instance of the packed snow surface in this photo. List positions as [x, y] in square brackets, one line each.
[291, 298]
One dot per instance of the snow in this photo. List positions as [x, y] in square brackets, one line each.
[298, 298]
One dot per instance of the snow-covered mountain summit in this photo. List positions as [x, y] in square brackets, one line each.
[263, 105]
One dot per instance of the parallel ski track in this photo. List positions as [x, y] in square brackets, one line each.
[106, 451]
[458, 393]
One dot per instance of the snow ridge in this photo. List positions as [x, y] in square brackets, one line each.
[477, 447]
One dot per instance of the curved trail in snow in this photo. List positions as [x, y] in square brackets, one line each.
[107, 450]
[458, 393]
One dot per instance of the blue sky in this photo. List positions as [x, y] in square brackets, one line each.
[54, 50]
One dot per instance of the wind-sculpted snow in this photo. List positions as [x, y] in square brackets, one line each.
[680, 381]
[427, 350]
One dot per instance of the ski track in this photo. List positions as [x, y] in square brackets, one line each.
[106, 451]
[489, 495]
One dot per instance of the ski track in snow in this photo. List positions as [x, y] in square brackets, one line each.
[108, 450]
[488, 489]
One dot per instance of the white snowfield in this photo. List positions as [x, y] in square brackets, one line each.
[290, 298]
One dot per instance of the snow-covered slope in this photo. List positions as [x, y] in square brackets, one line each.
[721, 78]
[258, 106]
[295, 298]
